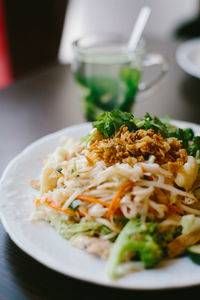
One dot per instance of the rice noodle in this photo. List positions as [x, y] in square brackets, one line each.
[167, 187]
[160, 208]
[103, 182]
[169, 222]
[190, 210]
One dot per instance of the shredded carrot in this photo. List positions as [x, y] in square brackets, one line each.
[173, 208]
[37, 201]
[60, 175]
[93, 200]
[115, 200]
[143, 169]
[52, 205]
[83, 212]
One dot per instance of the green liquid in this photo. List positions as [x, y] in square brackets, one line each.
[104, 87]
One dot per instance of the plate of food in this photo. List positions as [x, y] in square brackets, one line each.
[115, 202]
[188, 57]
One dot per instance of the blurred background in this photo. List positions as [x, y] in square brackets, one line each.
[36, 33]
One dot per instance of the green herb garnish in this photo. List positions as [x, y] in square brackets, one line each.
[194, 148]
[74, 169]
[105, 230]
[156, 124]
[166, 119]
[184, 135]
[59, 170]
[109, 123]
[75, 204]
[86, 139]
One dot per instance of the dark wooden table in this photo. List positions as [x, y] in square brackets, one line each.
[44, 103]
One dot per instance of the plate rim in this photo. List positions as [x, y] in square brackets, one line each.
[182, 60]
[109, 283]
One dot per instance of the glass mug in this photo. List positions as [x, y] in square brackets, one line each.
[108, 75]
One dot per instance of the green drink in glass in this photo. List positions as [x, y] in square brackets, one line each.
[107, 74]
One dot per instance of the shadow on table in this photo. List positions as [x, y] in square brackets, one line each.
[39, 282]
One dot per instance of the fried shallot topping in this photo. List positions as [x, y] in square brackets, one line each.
[140, 145]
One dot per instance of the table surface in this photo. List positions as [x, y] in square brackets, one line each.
[46, 102]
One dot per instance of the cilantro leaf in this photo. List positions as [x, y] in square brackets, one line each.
[166, 119]
[156, 124]
[109, 123]
[194, 148]
[74, 169]
[183, 135]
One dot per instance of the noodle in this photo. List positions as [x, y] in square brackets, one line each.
[102, 182]
[92, 194]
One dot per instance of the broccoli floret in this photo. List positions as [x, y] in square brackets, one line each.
[136, 239]
[149, 251]
[167, 236]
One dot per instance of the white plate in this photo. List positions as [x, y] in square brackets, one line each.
[43, 243]
[188, 57]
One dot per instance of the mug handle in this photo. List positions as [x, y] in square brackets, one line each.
[152, 59]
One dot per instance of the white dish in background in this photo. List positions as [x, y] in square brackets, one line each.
[44, 243]
[188, 57]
